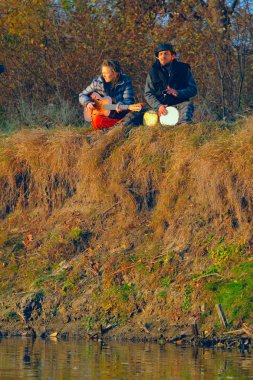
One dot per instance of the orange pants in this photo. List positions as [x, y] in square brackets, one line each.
[101, 121]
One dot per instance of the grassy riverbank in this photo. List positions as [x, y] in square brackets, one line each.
[131, 234]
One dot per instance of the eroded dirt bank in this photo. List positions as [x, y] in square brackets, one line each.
[136, 236]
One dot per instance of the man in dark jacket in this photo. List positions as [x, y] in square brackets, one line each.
[1, 68]
[170, 83]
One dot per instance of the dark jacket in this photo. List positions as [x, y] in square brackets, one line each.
[177, 75]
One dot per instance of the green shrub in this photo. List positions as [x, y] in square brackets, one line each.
[12, 316]
[225, 253]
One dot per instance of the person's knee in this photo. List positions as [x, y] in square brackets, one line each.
[186, 111]
[96, 122]
[132, 119]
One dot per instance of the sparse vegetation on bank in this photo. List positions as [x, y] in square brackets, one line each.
[128, 235]
[28, 114]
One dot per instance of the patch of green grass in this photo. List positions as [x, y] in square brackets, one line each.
[208, 239]
[30, 114]
[68, 285]
[197, 139]
[165, 282]
[187, 297]
[7, 124]
[75, 233]
[244, 269]
[89, 322]
[132, 258]
[12, 316]
[235, 294]
[162, 293]
[163, 290]
[125, 291]
[77, 236]
[62, 276]
[65, 244]
[224, 254]
[39, 282]
[237, 299]
[141, 268]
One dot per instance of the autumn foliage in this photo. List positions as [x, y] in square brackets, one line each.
[52, 49]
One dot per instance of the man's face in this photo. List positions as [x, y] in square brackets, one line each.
[165, 57]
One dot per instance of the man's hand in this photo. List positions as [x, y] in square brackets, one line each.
[162, 110]
[90, 106]
[171, 91]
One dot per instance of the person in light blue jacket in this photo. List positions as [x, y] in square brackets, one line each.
[114, 83]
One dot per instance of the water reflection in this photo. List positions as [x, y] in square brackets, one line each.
[24, 358]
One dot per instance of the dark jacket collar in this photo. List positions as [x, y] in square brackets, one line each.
[157, 64]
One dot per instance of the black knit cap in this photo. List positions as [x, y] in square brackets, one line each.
[164, 47]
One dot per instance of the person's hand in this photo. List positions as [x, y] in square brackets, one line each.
[90, 106]
[171, 91]
[162, 110]
[118, 108]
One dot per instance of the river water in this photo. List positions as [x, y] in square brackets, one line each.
[24, 358]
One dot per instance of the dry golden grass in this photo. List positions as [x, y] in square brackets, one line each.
[39, 167]
[174, 175]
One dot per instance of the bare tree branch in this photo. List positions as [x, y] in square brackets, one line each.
[234, 4]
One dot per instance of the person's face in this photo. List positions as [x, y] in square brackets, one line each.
[165, 57]
[108, 74]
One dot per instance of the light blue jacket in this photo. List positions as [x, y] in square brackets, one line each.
[122, 93]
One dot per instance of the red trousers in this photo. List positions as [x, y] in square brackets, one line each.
[101, 121]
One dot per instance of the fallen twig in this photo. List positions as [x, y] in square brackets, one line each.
[234, 332]
[152, 261]
[248, 330]
[208, 275]
[144, 327]
[109, 209]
